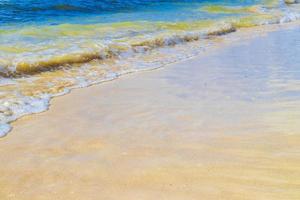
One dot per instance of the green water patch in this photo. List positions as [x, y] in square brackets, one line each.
[229, 9]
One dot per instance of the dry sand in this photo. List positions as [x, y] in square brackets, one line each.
[224, 125]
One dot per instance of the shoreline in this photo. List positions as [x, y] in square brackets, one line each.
[242, 33]
[221, 125]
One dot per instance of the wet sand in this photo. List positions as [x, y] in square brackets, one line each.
[223, 125]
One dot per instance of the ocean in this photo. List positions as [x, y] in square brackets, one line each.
[50, 47]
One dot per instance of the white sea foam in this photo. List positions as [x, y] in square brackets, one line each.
[14, 109]
[290, 17]
[4, 129]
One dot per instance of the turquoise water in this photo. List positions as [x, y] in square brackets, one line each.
[49, 47]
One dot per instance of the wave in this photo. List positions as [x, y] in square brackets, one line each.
[185, 33]
[111, 51]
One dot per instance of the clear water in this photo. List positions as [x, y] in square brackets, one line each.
[48, 47]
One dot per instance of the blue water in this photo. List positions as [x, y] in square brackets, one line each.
[14, 12]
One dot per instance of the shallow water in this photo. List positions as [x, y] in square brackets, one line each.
[49, 47]
[249, 88]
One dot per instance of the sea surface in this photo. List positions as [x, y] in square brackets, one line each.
[50, 47]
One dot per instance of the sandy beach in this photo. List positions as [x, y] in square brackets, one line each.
[223, 125]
